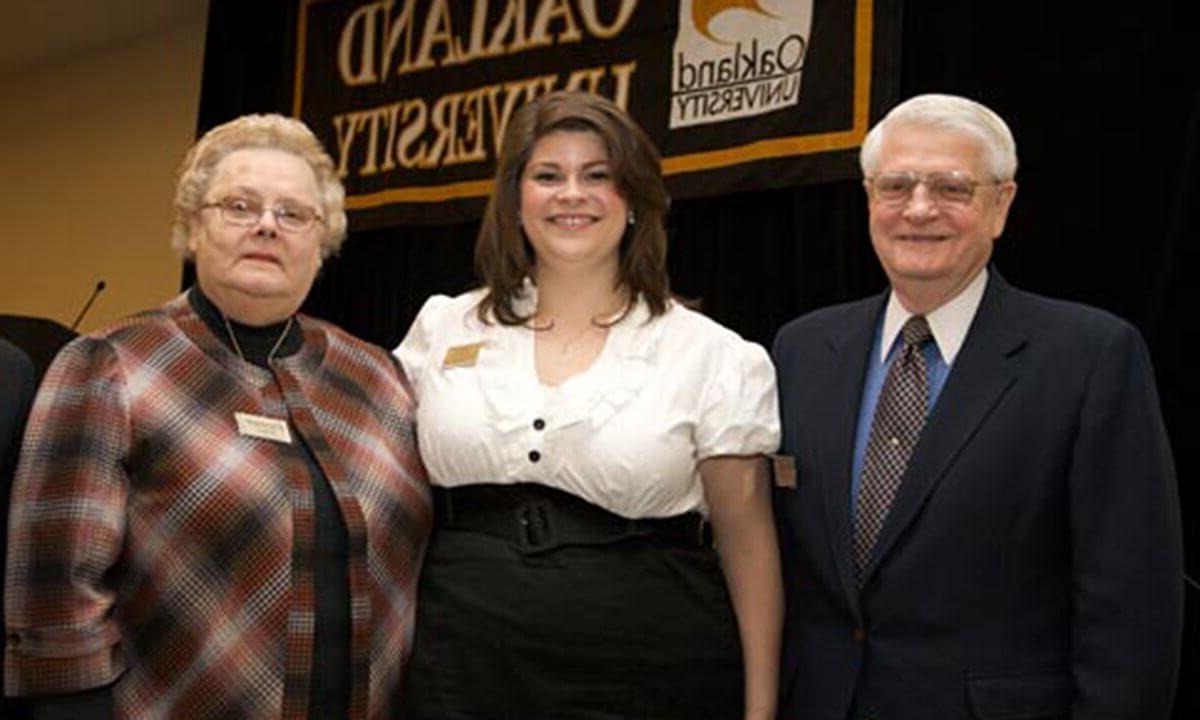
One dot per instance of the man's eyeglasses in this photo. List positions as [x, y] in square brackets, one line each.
[945, 189]
[245, 212]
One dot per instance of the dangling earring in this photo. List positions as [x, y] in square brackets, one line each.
[632, 219]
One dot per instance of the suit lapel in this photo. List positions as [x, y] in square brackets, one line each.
[842, 384]
[986, 366]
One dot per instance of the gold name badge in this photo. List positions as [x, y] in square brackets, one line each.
[263, 428]
[462, 355]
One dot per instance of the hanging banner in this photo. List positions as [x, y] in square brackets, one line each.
[411, 97]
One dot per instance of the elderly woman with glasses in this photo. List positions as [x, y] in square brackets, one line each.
[219, 511]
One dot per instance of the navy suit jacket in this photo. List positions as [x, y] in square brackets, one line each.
[1031, 564]
[16, 394]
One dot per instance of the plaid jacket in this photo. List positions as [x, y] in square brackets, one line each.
[153, 545]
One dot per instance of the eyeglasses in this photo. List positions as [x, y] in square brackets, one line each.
[246, 212]
[945, 189]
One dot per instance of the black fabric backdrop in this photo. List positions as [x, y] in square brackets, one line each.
[1102, 97]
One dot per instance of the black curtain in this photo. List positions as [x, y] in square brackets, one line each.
[1102, 98]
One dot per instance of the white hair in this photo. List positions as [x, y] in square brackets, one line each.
[954, 114]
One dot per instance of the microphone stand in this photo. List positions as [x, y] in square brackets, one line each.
[99, 288]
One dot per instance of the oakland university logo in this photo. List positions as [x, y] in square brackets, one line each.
[737, 58]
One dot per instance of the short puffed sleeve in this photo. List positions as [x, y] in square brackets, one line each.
[739, 408]
[415, 350]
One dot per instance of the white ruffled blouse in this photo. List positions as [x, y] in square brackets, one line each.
[626, 434]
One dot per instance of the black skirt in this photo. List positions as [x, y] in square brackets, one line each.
[536, 604]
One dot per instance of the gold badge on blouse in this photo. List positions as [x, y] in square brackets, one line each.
[462, 355]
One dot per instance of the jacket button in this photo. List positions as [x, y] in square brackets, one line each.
[858, 635]
[539, 424]
[534, 456]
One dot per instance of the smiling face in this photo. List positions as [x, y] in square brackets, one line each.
[257, 274]
[571, 210]
[930, 252]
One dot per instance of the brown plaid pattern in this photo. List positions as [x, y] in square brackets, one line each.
[899, 417]
[154, 546]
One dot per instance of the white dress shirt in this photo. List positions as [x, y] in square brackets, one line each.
[949, 323]
[626, 434]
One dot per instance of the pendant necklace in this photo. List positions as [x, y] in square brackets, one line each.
[274, 349]
[566, 345]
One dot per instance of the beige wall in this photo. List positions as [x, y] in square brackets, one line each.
[89, 149]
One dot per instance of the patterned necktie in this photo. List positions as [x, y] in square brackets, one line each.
[899, 417]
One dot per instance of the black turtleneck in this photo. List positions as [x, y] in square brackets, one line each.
[255, 342]
[329, 688]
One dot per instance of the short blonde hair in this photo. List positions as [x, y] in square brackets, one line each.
[952, 113]
[274, 132]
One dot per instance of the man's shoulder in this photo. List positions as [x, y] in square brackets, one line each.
[19, 378]
[843, 317]
[14, 361]
[1061, 319]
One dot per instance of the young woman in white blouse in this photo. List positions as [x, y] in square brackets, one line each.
[587, 437]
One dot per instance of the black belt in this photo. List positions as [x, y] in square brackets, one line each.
[536, 517]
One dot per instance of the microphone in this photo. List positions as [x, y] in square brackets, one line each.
[100, 285]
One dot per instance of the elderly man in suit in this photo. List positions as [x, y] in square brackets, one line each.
[983, 519]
